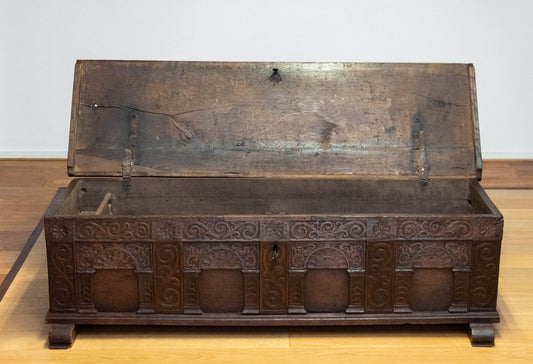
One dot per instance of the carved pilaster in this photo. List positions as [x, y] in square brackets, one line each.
[85, 296]
[401, 290]
[146, 290]
[357, 291]
[296, 291]
[460, 290]
[251, 292]
[191, 295]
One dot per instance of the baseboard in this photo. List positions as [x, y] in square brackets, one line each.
[507, 155]
[34, 154]
[53, 154]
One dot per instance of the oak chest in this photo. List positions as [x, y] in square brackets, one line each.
[273, 194]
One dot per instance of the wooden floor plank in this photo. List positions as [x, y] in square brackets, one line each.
[26, 189]
[508, 173]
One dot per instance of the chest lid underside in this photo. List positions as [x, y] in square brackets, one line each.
[180, 119]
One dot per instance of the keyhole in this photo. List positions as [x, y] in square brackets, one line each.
[275, 77]
[275, 252]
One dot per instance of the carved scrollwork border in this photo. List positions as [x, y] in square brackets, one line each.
[436, 228]
[110, 230]
[342, 229]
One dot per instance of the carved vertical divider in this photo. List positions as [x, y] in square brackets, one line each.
[357, 291]
[460, 290]
[167, 280]
[61, 267]
[62, 287]
[484, 276]
[379, 277]
[273, 278]
[401, 290]
[191, 295]
[483, 283]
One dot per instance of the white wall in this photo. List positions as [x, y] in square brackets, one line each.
[40, 41]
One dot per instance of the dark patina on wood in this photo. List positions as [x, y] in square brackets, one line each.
[273, 194]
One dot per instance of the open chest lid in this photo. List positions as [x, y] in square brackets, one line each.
[181, 119]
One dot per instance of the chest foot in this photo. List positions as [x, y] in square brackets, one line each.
[61, 336]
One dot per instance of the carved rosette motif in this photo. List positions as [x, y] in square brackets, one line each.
[434, 254]
[329, 229]
[168, 230]
[114, 255]
[61, 276]
[167, 277]
[329, 255]
[274, 230]
[221, 256]
[213, 230]
[484, 276]
[416, 229]
[113, 230]
[489, 228]
[57, 230]
[379, 276]
[382, 229]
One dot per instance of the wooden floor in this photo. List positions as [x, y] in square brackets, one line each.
[26, 187]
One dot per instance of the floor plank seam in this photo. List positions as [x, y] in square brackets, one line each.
[15, 268]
